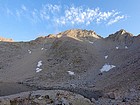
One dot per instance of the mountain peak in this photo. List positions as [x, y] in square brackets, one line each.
[79, 33]
[6, 39]
[121, 36]
[122, 32]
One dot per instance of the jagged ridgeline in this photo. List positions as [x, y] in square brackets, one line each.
[6, 39]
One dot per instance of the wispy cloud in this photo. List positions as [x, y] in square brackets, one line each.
[67, 15]
[53, 8]
[35, 17]
[44, 13]
[9, 12]
[79, 15]
[116, 19]
[48, 10]
[104, 16]
[23, 7]
[18, 13]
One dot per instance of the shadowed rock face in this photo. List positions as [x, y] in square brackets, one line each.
[80, 52]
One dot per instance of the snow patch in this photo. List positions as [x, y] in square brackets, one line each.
[91, 42]
[29, 51]
[39, 64]
[117, 47]
[126, 47]
[106, 56]
[40, 98]
[38, 70]
[71, 73]
[107, 67]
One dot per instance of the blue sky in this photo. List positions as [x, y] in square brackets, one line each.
[24, 20]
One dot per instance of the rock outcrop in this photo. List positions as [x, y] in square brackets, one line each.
[80, 34]
[6, 39]
[121, 36]
[45, 97]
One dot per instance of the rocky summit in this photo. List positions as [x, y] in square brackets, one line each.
[6, 39]
[75, 67]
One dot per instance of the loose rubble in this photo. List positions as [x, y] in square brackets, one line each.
[42, 97]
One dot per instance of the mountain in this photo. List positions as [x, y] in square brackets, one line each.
[121, 36]
[104, 70]
[6, 39]
[78, 33]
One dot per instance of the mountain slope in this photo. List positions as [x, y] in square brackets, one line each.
[75, 60]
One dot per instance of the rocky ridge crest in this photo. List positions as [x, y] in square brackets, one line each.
[6, 39]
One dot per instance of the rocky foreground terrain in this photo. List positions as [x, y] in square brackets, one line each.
[75, 67]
